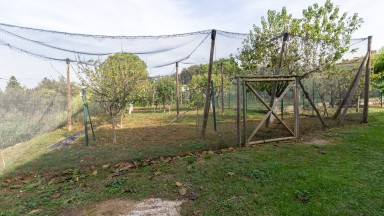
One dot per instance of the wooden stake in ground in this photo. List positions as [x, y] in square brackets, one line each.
[208, 91]
[367, 81]
[177, 90]
[69, 112]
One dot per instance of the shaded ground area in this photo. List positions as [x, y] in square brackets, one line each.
[148, 135]
[66, 142]
[153, 159]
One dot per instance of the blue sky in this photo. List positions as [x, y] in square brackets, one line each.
[155, 17]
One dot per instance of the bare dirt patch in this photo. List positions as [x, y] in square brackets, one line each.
[147, 207]
[317, 141]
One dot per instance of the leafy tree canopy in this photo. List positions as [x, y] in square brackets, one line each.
[315, 42]
[165, 89]
[114, 80]
[13, 84]
[377, 77]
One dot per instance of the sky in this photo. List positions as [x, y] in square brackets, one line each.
[157, 17]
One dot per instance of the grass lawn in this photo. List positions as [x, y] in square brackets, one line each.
[338, 171]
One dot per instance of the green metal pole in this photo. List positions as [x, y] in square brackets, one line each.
[213, 106]
[381, 91]
[85, 116]
[90, 122]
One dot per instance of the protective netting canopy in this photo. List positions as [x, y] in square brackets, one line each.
[157, 51]
[37, 58]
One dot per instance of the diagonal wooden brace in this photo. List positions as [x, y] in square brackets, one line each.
[270, 111]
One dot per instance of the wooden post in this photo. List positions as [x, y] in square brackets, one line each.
[69, 112]
[177, 90]
[208, 91]
[353, 91]
[296, 108]
[213, 105]
[85, 115]
[244, 114]
[274, 85]
[367, 81]
[353, 85]
[306, 94]
[238, 130]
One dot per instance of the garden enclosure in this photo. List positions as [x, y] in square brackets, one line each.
[40, 73]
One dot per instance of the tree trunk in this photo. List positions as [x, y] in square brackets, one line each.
[121, 119]
[113, 127]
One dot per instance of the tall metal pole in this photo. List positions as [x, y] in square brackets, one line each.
[177, 90]
[208, 91]
[222, 89]
[367, 81]
[69, 112]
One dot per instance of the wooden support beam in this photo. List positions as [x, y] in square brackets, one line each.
[269, 108]
[352, 90]
[208, 91]
[355, 81]
[306, 94]
[258, 127]
[244, 113]
[238, 129]
[268, 79]
[296, 109]
[367, 82]
[69, 111]
[271, 140]
[177, 90]
[274, 84]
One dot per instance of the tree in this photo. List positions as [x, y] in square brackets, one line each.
[113, 81]
[13, 84]
[51, 87]
[378, 70]
[143, 96]
[197, 87]
[230, 69]
[315, 42]
[165, 88]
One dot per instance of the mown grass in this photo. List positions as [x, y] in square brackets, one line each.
[342, 175]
